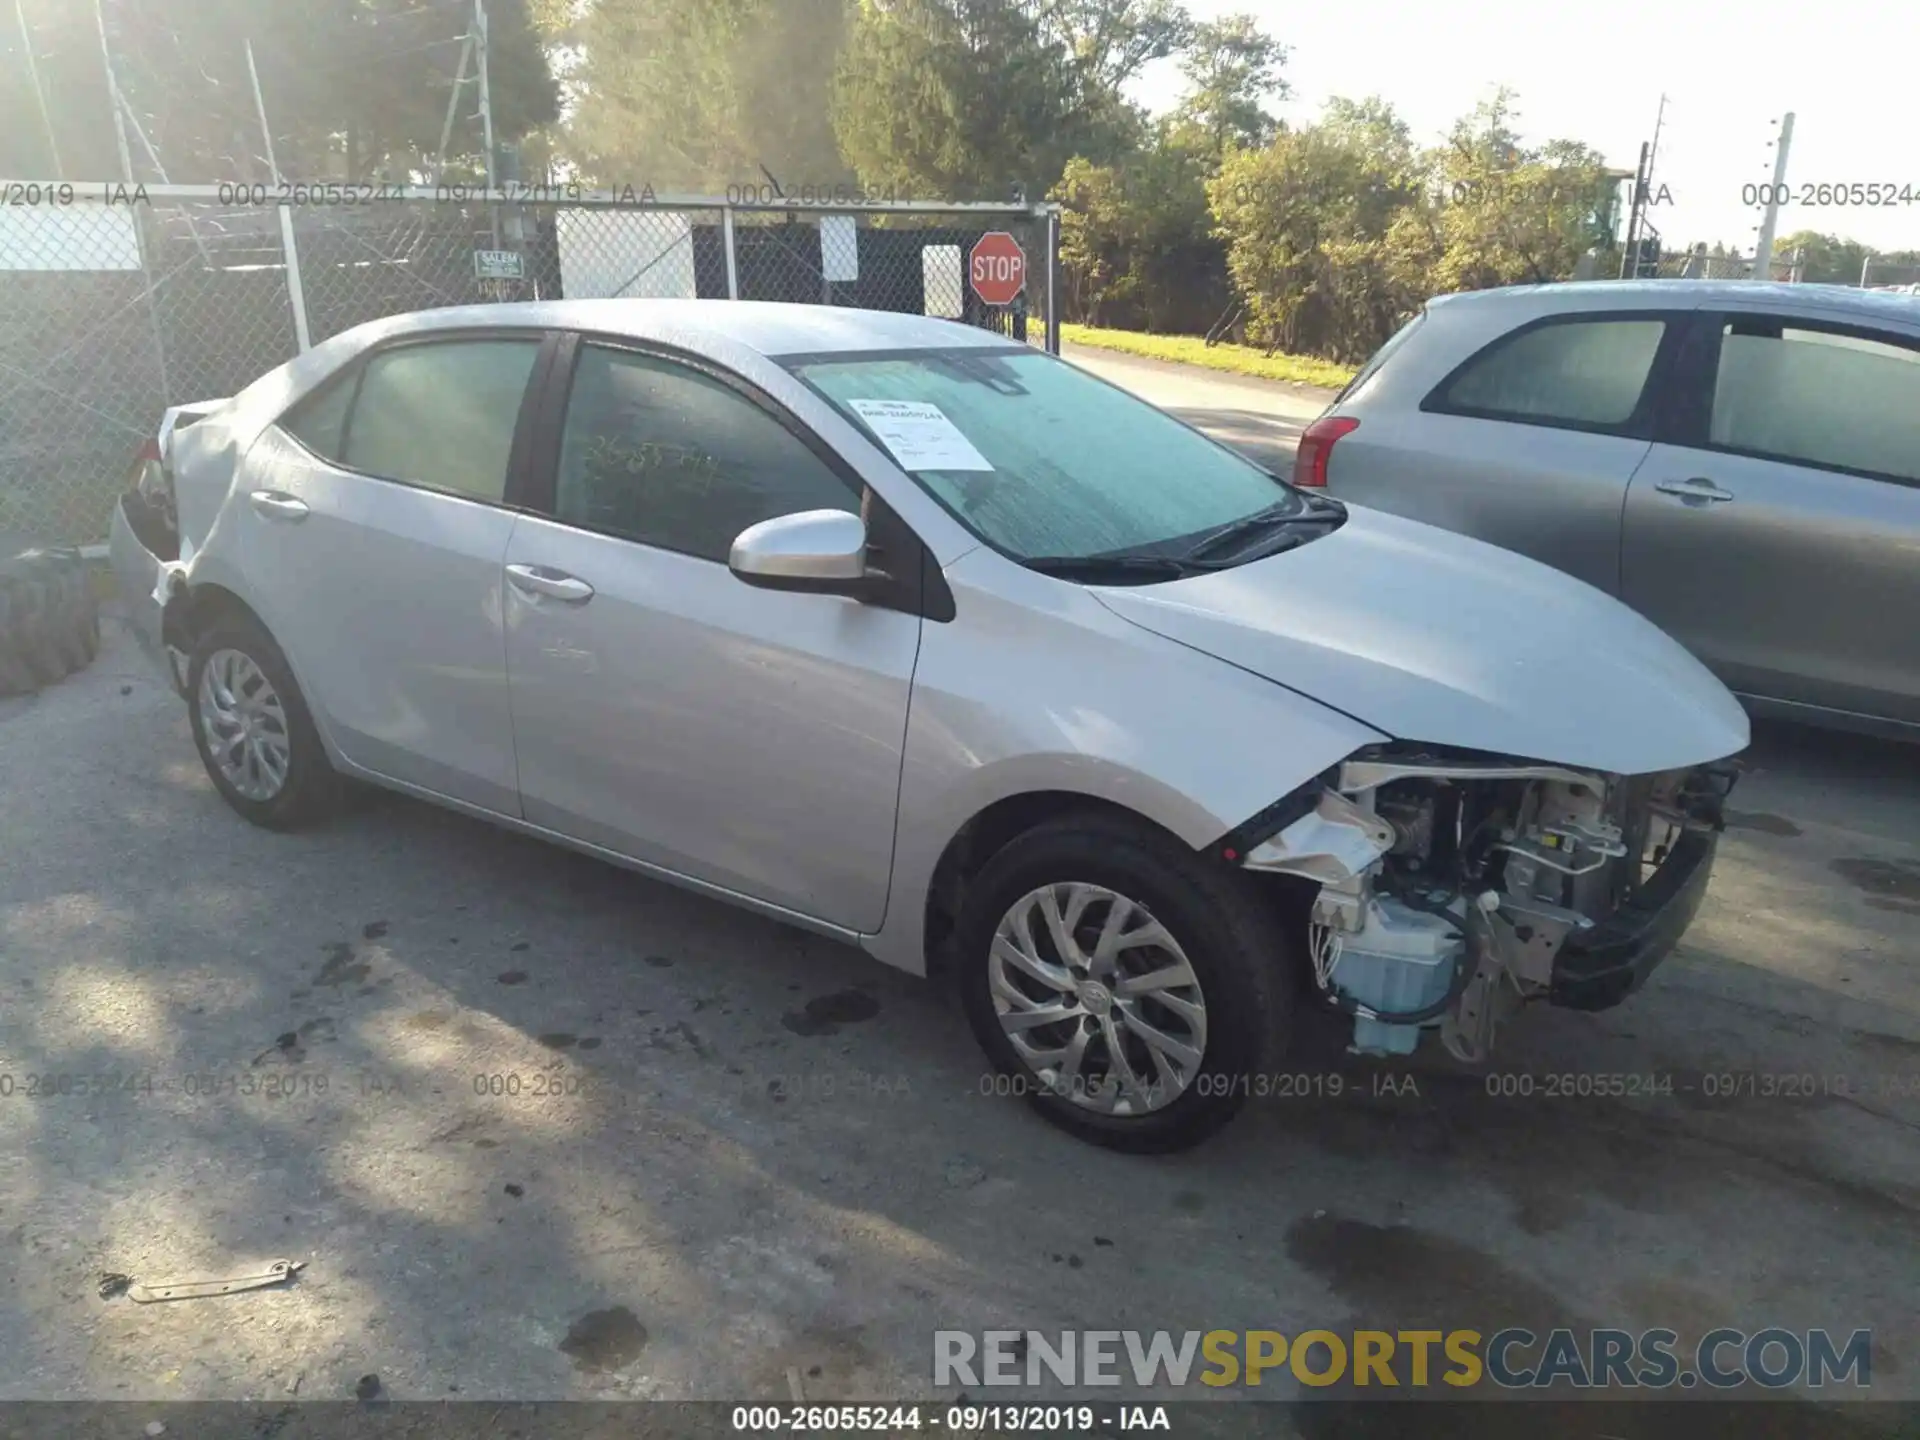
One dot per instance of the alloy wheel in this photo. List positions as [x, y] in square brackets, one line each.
[245, 724]
[1098, 999]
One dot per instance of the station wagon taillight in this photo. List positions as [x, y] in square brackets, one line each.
[1316, 445]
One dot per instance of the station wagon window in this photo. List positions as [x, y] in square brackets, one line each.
[1583, 374]
[1818, 397]
[442, 414]
[657, 452]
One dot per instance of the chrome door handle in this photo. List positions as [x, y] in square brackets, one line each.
[549, 584]
[1697, 487]
[274, 505]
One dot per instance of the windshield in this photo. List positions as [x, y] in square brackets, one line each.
[1038, 458]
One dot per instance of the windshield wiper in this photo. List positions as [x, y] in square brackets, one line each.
[1101, 569]
[1301, 511]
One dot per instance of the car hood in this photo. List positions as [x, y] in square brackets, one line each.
[1433, 637]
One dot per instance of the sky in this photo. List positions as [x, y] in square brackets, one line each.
[1849, 70]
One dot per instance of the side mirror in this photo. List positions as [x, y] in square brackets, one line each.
[821, 552]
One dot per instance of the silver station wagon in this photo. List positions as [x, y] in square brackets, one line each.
[1738, 462]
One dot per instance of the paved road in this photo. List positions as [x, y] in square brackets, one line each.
[717, 1150]
[1257, 416]
[544, 1129]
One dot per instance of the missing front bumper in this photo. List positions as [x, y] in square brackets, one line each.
[1596, 969]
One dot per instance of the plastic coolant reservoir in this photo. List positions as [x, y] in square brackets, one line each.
[1403, 960]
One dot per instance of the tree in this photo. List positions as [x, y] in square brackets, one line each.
[349, 85]
[1325, 240]
[958, 99]
[1509, 214]
[1232, 68]
[1108, 43]
[1136, 248]
[1826, 259]
[1111, 41]
[701, 96]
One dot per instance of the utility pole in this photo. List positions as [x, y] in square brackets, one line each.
[480, 48]
[1653, 151]
[260, 109]
[39, 93]
[113, 95]
[453, 103]
[1763, 248]
[289, 242]
[1630, 257]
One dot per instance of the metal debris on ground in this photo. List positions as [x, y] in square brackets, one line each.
[142, 1293]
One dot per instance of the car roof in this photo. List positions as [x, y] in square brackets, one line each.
[768, 328]
[1691, 295]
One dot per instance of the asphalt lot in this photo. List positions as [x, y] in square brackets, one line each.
[1257, 416]
[718, 1151]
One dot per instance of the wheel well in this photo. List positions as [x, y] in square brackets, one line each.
[990, 832]
[995, 827]
[188, 615]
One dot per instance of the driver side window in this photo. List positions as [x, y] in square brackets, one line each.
[658, 452]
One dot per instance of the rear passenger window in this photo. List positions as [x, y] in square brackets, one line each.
[1818, 397]
[441, 415]
[1585, 374]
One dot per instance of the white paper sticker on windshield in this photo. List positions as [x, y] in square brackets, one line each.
[920, 435]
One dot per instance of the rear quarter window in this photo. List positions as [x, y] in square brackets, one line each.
[1586, 373]
[319, 420]
[1351, 390]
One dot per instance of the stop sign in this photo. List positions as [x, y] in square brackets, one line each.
[998, 268]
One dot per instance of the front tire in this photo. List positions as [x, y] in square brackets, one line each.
[253, 730]
[1127, 987]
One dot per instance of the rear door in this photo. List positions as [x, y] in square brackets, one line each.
[749, 739]
[374, 531]
[1529, 443]
[1778, 534]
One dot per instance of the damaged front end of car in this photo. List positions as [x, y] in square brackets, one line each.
[1454, 889]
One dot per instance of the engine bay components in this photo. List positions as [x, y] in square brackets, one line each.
[1448, 888]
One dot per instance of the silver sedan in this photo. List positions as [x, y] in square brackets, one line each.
[940, 646]
[1739, 462]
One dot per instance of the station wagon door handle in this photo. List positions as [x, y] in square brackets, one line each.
[549, 584]
[1696, 488]
[273, 505]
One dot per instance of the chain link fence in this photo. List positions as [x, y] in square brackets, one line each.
[1696, 265]
[114, 306]
[1890, 275]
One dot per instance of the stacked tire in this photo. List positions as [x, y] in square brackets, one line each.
[49, 619]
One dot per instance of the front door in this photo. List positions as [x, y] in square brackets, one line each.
[663, 709]
[1782, 544]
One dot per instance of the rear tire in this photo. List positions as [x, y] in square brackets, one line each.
[16, 677]
[33, 618]
[76, 612]
[1217, 1011]
[49, 618]
[253, 730]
